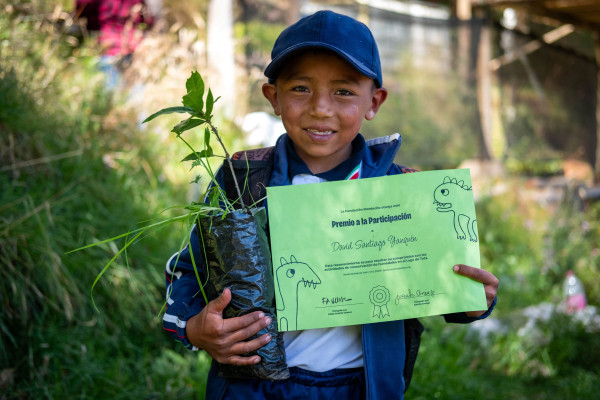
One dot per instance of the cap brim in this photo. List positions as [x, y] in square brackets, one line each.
[274, 67]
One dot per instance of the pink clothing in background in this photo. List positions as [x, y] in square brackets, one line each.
[120, 23]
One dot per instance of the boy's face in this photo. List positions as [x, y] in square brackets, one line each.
[322, 101]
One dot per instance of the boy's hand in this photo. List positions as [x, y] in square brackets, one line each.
[223, 339]
[490, 284]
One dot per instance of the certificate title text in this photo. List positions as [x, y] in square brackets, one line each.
[371, 220]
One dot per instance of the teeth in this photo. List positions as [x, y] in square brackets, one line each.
[321, 133]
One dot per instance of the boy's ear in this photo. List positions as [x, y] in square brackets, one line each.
[270, 92]
[377, 99]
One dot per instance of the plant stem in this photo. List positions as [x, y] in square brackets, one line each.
[237, 188]
[206, 166]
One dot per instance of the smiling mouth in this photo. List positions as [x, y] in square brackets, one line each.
[319, 133]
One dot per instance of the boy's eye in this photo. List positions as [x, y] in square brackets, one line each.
[344, 92]
[299, 89]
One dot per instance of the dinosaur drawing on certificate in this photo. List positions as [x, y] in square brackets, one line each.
[452, 196]
[288, 277]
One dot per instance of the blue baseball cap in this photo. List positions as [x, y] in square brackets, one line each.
[350, 39]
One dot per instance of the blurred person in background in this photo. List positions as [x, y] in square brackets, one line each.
[120, 27]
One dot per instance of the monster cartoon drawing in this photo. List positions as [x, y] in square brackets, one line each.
[288, 277]
[452, 196]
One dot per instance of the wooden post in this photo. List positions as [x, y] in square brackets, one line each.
[363, 13]
[597, 162]
[464, 15]
[220, 55]
[463, 51]
[292, 13]
[484, 91]
[463, 10]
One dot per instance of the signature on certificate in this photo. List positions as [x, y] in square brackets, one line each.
[416, 294]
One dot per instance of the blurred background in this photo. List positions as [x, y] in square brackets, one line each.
[506, 88]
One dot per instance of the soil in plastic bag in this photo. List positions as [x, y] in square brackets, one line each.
[238, 257]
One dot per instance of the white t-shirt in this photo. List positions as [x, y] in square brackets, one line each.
[323, 349]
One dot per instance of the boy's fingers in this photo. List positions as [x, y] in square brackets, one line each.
[477, 274]
[490, 282]
[251, 345]
[232, 333]
[243, 327]
[233, 352]
[239, 360]
[248, 324]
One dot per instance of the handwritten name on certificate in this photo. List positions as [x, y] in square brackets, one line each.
[373, 250]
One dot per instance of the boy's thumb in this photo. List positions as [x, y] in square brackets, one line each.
[222, 301]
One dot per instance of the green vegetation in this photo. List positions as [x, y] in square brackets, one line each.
[76, 168]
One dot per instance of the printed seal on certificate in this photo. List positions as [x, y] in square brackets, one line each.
[379, 297]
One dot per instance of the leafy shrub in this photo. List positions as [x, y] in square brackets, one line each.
[512, 240]
[70, 174]
[575, 245]
[573, 346]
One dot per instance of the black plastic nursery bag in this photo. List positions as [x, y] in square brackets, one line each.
[238, 257]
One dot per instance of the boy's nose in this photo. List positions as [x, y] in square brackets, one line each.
[321, 104]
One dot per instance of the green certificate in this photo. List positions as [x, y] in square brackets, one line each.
[373, 250]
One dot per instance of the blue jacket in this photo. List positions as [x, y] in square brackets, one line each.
[383, 343]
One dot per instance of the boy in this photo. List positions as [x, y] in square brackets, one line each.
[324, 78]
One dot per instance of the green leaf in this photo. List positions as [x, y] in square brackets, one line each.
[207, 137]
[213, 197]
[195, 83]
[170, 110]
[210, 101]
[199, 154]
[187, 124]
[194, 101]
[195, 92]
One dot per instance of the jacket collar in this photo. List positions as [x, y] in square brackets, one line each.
[377, 158]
